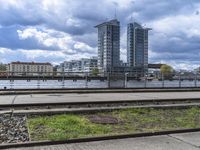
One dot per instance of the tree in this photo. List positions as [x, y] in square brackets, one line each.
[166, 71]
[2, 67]
[95, 71]
[197, 70]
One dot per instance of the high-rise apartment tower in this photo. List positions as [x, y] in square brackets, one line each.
[108, 45]
[137, 45]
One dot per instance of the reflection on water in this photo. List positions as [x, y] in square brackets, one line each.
[34, 84]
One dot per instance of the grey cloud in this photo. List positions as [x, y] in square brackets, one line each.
[86, 14]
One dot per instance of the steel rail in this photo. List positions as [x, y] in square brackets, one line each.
[95, 90]
[107, 103]
[100, 138]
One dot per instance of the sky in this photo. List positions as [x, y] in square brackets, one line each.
[62, 30]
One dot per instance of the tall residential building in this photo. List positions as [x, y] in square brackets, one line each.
[108, 45]
[137, 45]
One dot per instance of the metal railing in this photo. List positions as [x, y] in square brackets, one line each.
[33, 80]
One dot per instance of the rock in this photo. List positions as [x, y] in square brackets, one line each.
[13, 129]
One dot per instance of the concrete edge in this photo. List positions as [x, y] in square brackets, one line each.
[93, 139]
[97, 102]
[93, 110]
[95, 90]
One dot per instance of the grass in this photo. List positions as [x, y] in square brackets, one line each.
[68, 126]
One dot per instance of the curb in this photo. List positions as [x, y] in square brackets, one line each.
[95, 109]
[97, 102]
[92, 139]
[93, 90]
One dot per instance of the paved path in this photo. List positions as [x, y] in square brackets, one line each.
[56, 98]
[186, 141]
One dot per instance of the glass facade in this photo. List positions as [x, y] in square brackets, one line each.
[108, 45]
[137, 45]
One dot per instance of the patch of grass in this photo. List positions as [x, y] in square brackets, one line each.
[59, 127]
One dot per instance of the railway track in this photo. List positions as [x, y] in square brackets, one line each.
[100, 138]
[79, 107]
[95, 90]
[155, 103]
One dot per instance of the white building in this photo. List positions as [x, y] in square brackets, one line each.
[29, 68]
[108, 45]
[82, 65]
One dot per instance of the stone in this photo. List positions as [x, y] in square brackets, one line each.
[13, 129]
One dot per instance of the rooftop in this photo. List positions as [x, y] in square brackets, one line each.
[31, 63]
[114, 22]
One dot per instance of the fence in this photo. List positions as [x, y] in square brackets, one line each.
[87, 80]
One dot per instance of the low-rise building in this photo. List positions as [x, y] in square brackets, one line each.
[154, 70]
[29, 68]
[83, 65]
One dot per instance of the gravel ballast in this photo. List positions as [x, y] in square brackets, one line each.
[13, 129]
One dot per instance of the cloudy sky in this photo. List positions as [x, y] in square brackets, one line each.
[58, 30]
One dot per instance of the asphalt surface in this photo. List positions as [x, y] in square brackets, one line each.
[56, 98]
[185, 141]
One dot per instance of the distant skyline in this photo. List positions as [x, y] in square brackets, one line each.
[58, 30]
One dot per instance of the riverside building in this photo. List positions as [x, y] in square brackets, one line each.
[109, 48]
[86, 65]
[29, 68]
[137, 46]
[108, 45]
